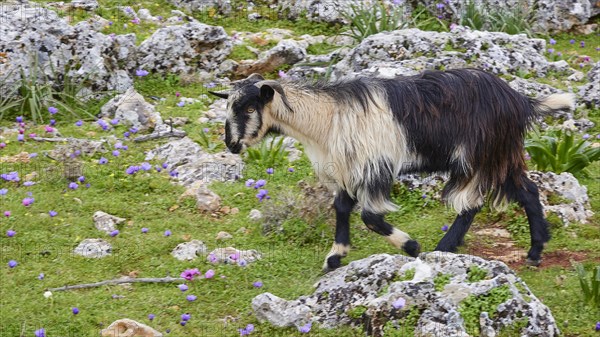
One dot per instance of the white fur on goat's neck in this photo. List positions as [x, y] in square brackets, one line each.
[340, 139]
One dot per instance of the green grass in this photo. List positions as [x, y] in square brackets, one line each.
[291, 261]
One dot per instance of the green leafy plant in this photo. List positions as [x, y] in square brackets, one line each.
[591, 290]
[476, 274]
[207, 141]
[441, 280]
[558, 151]
[515, 20]
[367, 20]
[472, 307]
[36, 92]
[269, 153]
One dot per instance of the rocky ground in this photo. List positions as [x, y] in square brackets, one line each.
[145, 189]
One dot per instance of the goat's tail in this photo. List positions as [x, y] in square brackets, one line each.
[553, 103]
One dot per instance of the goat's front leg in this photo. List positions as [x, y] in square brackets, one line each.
[343, 204]
[393, 235]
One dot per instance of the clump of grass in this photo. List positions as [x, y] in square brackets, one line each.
[471, 307]
[515, 20]
[367, 20]
[476, 274]
[590, 290]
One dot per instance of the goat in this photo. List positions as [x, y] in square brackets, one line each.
[464, 122]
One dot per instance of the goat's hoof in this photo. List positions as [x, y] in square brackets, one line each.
[332, 263]
[412, 248]
[533, 263]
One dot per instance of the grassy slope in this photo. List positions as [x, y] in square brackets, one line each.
[292, 259]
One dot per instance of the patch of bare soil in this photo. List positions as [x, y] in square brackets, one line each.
[496, 243]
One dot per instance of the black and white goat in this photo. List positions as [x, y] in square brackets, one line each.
[465, 122]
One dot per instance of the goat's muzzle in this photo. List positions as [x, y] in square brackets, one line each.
[235, 147]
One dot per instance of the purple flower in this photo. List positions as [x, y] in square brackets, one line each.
[102, 161]
[247, 330]
[75, 310]
[444, 228]
[19, 119]
[183, 287]
[250, 327]
[81, 179]
[3, 191]
[206, 130]
[439, 6]
[158, 169]
[118, 145]
[572, 41]
[210, 85]
[12, 263]
[581, 65]
[399, 303]
[291, 169]
[582, 44]
[189, 274]
[234, 257]
[79, 123]
[52, 213]
[32, 135]
[257, 284]
[10, 233]
[114, 121]
[126, 134]
[270, 170]
[28, 183]
[146, 166]
[41, 276]
[165, 165]
[282, 74]
[209, 274]
[586, 136]
[305, 328]
[552, 41]
[177, 94]
[262, 194]
[7, 214]
[550, 50]
[260, 183]
[2, 145]
[12, 176]
[151, 316]
[183, 323]
[144, 230]
[180, 104]
[559, 54]
[527, 156]
[20, 138]
[397, 2]
[133, 130]
[597, 326]
[73, 185]
[249, 182]
[114, 233]
[116, 153]
[242, 263]
[52, 122]
[132, 169]
[135, 21]
[26, 202]
[167, 233]
[186, 317]
[141, 72]
[191, 298]
[212, 258]
[40, 332]
[49, 129]
[173, 174]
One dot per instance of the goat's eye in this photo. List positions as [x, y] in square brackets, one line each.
[250, 110]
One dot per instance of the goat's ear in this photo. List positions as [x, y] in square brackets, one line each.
[268, 88]
[221, 94]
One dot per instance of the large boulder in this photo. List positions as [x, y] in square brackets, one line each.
[36, 40]
[409, 51]
[193, 164]
[590, 92]
[185, 48]
[437, 294]
[132, 109]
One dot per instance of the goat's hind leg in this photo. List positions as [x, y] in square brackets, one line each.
[343, 204]
[528, 197]
[396, 237]
[456, 233]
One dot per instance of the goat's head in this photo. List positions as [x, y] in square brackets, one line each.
[250, 111]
